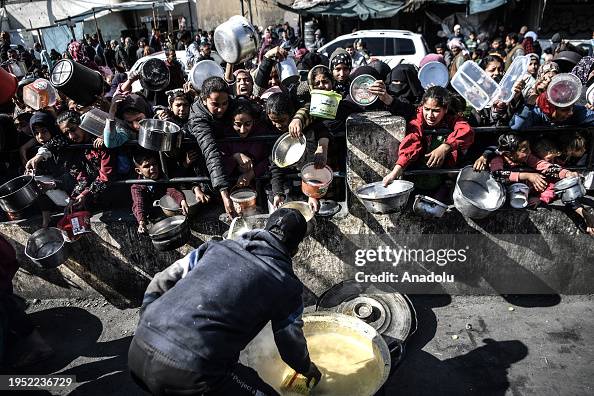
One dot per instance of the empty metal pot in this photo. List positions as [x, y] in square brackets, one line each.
[47, 248]
[570, 189]
[379, 199]
[18, 193]
[159, 135]
[168, 228]
[78, 82]
[477, 194]
[428, 207]
[236, 40]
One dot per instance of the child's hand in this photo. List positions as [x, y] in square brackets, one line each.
[246, 178]
[191, 157]
[480, 164]
[396, 173]
[295, 128]
[278, 201]
[320, 157]
[518, 87]
[537, 180]
[571, 174]
[201, 197]
[142, 227]
[32, 164]
[184, 207]
[379, 89]
[98, 143]
[436, 157]
[314, 204]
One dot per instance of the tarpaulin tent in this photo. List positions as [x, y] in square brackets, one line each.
[365, 9]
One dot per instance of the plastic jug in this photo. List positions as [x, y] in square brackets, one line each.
[475, 85]
[39, 94]
[514, 73]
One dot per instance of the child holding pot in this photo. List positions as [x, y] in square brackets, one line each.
[432, 151]
[146, 165]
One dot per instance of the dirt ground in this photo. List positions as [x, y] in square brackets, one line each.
[465, 345]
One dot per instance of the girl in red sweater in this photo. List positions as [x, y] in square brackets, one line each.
[433, 150]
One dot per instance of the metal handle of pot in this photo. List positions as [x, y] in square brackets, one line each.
[156, 204]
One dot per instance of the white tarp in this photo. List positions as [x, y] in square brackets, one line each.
[42, 14]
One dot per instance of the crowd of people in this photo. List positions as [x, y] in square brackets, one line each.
[251, 99]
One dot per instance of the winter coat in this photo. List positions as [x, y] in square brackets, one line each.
[204, 309]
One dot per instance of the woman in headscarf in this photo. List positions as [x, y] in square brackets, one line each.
[403, 83]
[546, 114]
[545, 73]
[584, 70]
[460, 55]
[76, 51]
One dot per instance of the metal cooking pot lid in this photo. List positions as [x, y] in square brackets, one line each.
[61, 72]
[360, 90]
[383, 308]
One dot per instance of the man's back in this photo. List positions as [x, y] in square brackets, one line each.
[231, 291]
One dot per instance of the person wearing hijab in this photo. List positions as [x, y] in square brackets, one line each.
[460, 55]
[76, 51]
[403, 83]
[382, 68]
[341, 65]
[545, 73]
[584, 70]
[546, 114]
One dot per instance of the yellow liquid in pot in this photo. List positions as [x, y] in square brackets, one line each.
[348, 364]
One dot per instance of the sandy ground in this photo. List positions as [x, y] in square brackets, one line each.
[465, 345]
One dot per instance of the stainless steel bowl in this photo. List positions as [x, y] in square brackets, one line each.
[159, 135]
[288, 150]
[167, 228]
[379, 199]
[477, 194]
[46, 247]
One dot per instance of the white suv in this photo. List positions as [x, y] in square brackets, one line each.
[390, 46]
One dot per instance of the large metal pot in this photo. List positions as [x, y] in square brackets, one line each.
[47, 248]
[477, 194]
[18, 193]
[78, 82]
[236, 40]
[288, 150]
[174, 242]
[159, 135]
[154, 74]
[168, 228]
[429, 208]
[379, 199]
[346, 335]
[168, 206]
[570, 189]
[306, 211]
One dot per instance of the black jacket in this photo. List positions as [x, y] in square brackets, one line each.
[232, 289]
[205, 128]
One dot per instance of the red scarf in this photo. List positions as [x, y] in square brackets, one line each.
[543, 103]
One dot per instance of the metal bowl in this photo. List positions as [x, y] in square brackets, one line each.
[379, 199]
[159, 135]
[477, 194]
[167, 228]
[288, 150]
[428, 207]
[46, 247]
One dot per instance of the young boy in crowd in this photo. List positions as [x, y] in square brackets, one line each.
[340, 66]
[146, 166]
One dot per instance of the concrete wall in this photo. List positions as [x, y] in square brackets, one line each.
[212, 13]
[512, 251]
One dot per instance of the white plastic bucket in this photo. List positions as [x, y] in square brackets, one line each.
[324, 104]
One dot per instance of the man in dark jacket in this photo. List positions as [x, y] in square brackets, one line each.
[201, 312]
[209, 117]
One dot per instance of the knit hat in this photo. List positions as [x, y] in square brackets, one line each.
[340, 56]
[45, 119]
[289, 226]
[583, 68]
